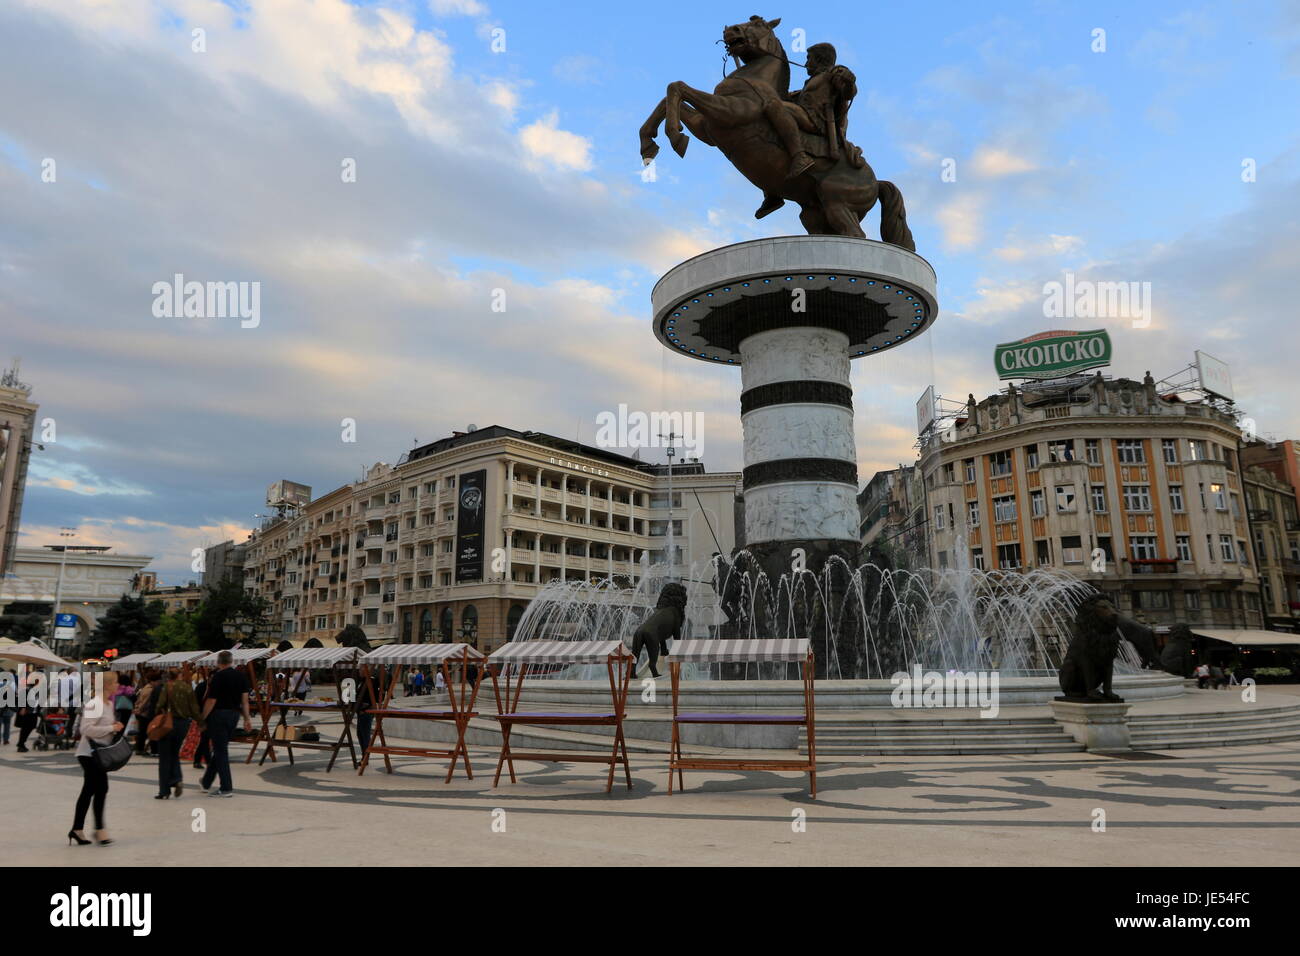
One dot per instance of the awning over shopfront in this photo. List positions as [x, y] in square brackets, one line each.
[1251, 637]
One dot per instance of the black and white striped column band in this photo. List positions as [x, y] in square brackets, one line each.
[793, 393]
[800, 469]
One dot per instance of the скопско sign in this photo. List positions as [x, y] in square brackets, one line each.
[1053, 354]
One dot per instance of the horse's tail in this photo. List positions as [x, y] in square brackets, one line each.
[893, 217]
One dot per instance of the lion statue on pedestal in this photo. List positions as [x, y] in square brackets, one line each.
[1089, 665]
[663, 624]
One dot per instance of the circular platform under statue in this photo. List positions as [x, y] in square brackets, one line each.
[793, 312]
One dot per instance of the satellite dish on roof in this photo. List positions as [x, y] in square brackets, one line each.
[471, 427]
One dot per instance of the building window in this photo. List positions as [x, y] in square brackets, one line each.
[938, 517]
[431, 487]
[1218, 497]
[1072, 549]
[1037, 504]
[1061, 450]
[1243, 556]
[1184, 545]
[1043, 553]
[1219, 600]
[973, 513]
[1169, 447]
[447, 545]
[968, 465]
[1065, 498]
[1031, 457]
[1142, 547]
[977, 559]
[1004, 509]
[1236, 505]
[1000, 463]
[1153, 600]
[1131, 452]
[1008, 556]
[949, 473]
[1227, 550]
[1176, 498]
[1137, 497]
[1197, 450]
[1192, 600]
[943, 560]
[1099, 499]
[1092, 449]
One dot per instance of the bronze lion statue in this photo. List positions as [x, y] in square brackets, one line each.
[664, 623]
[1089, 664]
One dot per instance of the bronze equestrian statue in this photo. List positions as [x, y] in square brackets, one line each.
[666, 622]
[792, 146]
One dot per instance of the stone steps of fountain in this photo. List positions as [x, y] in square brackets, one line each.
[892, 735]
[1215, 729]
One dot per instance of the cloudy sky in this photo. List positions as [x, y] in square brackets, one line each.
[495, 148]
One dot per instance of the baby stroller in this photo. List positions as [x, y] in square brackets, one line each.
[53, 731]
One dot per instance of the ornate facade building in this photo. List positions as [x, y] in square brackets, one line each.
[1138, 493]
[17, 423]
[453, 541]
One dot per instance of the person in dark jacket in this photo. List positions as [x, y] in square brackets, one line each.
[177, 699]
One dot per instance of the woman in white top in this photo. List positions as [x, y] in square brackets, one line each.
[101, 727]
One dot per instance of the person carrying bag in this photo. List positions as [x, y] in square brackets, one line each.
[176, 708]
[100, 750]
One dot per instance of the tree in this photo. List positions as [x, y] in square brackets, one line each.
[176, 632]
[228, 602]
[27, 626]
[126, 626]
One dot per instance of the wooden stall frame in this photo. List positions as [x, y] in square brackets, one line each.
[460, 713]
[346, 710]
[618, 687]
[677, 763]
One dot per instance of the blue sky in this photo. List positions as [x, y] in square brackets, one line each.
[519, 170]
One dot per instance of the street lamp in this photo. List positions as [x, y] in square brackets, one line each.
[64, 532]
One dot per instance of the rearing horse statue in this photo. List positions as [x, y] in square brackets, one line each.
[833, 193]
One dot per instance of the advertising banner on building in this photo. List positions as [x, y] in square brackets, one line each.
[470, 523]
[1053, 354]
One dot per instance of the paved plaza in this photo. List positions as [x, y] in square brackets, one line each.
[1219, 806]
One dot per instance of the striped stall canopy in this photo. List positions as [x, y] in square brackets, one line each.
[735, 651]
[175, 659]
[242, 655]
[317, 657]
[558, 652]
[399, 654]
[131, 661]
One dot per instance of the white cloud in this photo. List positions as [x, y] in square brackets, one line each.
[544, 140]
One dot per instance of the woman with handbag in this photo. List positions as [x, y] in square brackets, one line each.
[94, 732]
[175, 708]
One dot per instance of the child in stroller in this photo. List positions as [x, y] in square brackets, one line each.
[53, 730]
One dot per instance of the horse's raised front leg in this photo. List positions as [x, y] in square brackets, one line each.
[673, 118]
[650, 129]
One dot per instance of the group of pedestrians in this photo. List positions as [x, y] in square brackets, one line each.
[165, 708]
[1212, 675]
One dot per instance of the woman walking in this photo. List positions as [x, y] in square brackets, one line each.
[101, 729]
[177, 700]
[27, 717]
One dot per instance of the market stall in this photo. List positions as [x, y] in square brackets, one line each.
[343, 662]
[386, 665]
[258, 700]
[510, 664]
[737, 651]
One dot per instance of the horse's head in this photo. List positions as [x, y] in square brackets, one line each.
[753, 39]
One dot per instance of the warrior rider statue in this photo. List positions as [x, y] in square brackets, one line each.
[821, 107]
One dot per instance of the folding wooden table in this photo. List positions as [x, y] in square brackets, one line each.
[390, 660]
[729, 651]
[343, 662]
[247, 658]
[618, 662]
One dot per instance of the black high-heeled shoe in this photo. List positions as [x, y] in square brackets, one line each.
[72, 835]
[104, 842]
[161, 796]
